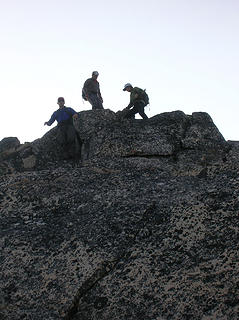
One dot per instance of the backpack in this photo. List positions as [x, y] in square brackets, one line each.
[145, 97]
[84, 95]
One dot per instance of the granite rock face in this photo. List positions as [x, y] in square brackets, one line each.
[144, 226]
[105, 135]
[9, 144]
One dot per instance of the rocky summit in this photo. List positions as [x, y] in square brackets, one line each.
[143, 225]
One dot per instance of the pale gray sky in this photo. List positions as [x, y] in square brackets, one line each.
[184, 52]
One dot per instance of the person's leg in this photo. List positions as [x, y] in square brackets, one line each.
[78, 144]
[131, 113]
[70, 134]
[61, 135]
[140, 109]
[99, 103]
[94, 101]
[71, 141]
[91, 100]
[62, 139]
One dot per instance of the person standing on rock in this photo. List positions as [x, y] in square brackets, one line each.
[138, 101]
[91, 91]
[66, 133]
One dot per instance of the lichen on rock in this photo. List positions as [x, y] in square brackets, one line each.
[143, 226]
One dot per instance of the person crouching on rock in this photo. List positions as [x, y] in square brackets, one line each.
[66, 133]
[137, 102]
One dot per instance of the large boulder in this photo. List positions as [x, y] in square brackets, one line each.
[9, 143]
[104, 134]
[145, 227]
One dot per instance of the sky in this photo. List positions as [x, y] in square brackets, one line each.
[185, 53]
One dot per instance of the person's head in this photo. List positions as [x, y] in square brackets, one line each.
[95, 74]
[128, 87]
[61, 102]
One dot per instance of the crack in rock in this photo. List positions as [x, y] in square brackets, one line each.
[106, 267]
[149, 156]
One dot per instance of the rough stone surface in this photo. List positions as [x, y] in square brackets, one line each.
[163, 135]
[144, 226]
[9, 143]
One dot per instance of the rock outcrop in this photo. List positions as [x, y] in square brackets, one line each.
[143, 226]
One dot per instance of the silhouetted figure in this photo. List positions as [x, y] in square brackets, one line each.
[66, 133]
[91, 91]
[138, 101]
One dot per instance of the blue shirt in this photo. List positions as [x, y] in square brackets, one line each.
[61, 115]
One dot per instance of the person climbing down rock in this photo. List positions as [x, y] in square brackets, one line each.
[91, 91]
[67, 136]
[138, 101]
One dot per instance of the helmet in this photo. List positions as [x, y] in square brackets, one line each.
[95, 73]
[127, 85]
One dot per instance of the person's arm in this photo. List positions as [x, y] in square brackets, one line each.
[99, 93]
[130, 105]
[86, 87]
[133, 97]
[100, 96]
[52, 119]
[73, 112]
[134, 94]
